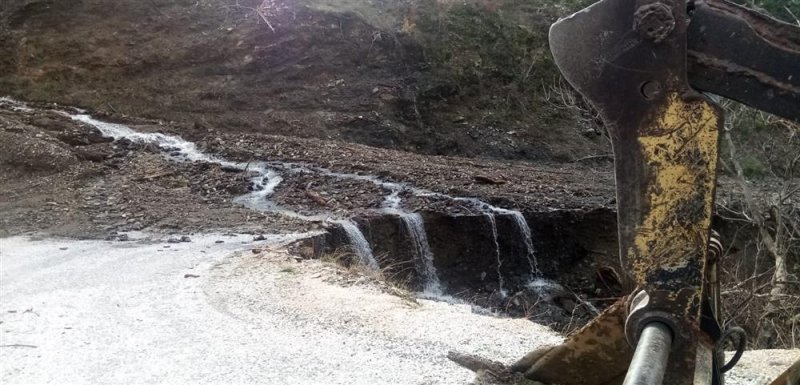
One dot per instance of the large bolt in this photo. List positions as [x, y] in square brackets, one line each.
[654, 21]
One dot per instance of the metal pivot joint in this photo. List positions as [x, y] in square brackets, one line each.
[654, 21]
[640, 315]
[649, 361]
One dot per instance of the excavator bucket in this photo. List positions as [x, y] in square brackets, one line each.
[598, 349]
[790, 377]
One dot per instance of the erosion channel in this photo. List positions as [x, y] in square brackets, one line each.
[553, 266]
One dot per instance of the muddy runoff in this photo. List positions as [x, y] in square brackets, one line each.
[546, 265]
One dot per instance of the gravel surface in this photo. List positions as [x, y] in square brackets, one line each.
[150, 311]
[130, 312]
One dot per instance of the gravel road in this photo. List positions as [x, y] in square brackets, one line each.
[147, 311]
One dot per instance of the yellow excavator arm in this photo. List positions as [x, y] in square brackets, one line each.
[643, 64]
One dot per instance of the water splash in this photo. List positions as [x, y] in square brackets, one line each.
[548, 290]
[544, 285]
[359, 244]
[500, 281]
[545, 288]
[423, 255]
[263, 183]
[393, 200]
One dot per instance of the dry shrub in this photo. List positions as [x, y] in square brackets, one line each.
[760, 285]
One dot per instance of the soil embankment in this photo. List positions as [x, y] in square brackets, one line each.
[62, 171]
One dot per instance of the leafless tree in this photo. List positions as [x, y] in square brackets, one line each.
[768, 299]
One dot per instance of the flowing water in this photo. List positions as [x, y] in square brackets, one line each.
[486, 209]
[262, 184]
[174, 147]
[423, 256]
[493, 225]
[14, 105]
[360, 245]
[527, 239]
[264, 178]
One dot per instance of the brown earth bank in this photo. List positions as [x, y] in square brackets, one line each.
[433, 77]
[53, 164]
[62, 177]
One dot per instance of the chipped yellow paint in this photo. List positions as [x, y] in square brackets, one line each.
[599, 348]
[680, 155]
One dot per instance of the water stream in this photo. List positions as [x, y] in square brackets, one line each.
[423, 257]
[487, 209]
[264, 178]
[500, 281]
[359, 244]
[527, 239]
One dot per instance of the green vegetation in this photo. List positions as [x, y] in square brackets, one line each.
[786, 10]
[752, 167]
[486, 55]
[474, 46]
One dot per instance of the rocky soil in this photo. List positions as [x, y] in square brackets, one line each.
[63, 177]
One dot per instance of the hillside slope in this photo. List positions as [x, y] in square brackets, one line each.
[423, 76]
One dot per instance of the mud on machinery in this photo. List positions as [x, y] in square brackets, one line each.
[643, 64]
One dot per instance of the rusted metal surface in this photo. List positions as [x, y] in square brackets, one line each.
[596, 354]
[790, 377]
[743, 55]
[654, 21]
[599, 354]
[628, 58]
[665, 137]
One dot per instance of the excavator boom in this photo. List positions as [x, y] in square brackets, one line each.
[643, 65]
[744, 55]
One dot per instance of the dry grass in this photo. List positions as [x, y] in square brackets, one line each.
[392, 277]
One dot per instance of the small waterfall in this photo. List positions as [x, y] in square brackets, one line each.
[525, 232]
[264, 179]
[177, 148]
[359, 243]
[493, 225]
[422, 253]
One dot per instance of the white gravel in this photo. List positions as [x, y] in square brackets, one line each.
[123, 313]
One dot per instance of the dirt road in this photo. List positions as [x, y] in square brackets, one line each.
[131, 312]
[148, 311]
